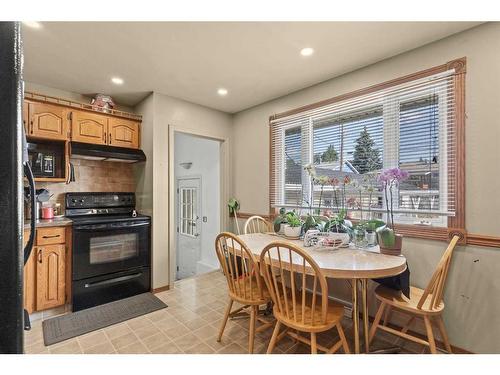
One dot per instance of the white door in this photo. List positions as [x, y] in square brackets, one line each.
[188, 226]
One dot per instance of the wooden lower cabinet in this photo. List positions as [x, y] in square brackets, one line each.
[45, 273]
[50, 276]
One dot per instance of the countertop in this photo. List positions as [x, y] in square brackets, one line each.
[57, 222]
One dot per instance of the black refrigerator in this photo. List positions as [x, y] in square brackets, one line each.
[13, 166]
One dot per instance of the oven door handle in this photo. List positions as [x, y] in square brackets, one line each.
[113, 281]
[107, 227]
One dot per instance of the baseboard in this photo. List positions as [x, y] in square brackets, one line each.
[161, 289]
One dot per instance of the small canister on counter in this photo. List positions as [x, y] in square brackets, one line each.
[47, 211]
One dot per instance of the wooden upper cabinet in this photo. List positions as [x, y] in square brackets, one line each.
[123, 133]
[47, 121]
[89, 127]
[50, 277]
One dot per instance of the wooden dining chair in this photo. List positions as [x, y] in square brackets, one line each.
[244, 281]
[425, 304]
[285, 268]
[257, 224]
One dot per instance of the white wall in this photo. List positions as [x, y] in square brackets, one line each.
[472, 313]
[159, 112]
[205, 155]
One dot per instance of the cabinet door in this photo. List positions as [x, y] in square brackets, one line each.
[48, 121]
[26, 117]
[50, 277]
[29, 278]
[123, 133]
[89, 127]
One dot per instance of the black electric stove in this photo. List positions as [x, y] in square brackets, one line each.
[111, 248]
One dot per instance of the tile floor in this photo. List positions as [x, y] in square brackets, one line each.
[189, 325]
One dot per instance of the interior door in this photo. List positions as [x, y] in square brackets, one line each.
[188, 226]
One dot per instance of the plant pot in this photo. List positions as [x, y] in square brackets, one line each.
[293, 232]
[391, 250]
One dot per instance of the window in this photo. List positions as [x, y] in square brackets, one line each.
[411, 124]
[188, 211]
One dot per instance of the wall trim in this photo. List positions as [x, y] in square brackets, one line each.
[160, 289]
[430, 233]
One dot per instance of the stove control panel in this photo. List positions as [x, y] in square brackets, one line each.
[99, 202]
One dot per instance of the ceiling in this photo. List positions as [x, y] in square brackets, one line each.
[254, 61]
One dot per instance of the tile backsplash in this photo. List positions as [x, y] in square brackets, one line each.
[93, 176]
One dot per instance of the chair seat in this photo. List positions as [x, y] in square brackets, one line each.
[334, 314]
[397, 299]
[249, 294]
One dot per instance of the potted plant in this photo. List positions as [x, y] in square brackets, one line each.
[371, 227]
[280, 221]
[389, 241]
[293, 227]
[234, 206]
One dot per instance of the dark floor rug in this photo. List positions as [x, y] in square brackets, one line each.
[75, 324]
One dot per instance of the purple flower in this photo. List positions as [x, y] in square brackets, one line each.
[393, 175]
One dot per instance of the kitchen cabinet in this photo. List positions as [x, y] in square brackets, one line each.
[89, 127]
[50, 276]
[123, 133]
[47, 121]
[29, 285]
[46, 272]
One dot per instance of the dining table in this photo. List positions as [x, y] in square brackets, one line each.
[350, 263]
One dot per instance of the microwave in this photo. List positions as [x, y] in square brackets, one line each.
[43, 162]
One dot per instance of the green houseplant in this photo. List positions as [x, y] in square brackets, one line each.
[389, 241]
[293, 227]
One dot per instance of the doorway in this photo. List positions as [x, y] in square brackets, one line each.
[197, 204]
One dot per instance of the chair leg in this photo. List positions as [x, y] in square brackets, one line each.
[387, 315]
[444, 335]
[404, 330]
[430, 334]
[314, 348]
[345, 345]
[274, 337]
[224, 321]
[251, 336]
[376, 321]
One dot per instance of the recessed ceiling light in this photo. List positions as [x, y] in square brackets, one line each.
[117, 80]
[33, 24]
[222, 91]
[308, 51]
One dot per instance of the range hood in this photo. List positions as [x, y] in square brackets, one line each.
[89, 151]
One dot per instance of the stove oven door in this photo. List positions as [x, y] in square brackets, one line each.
[100, 249]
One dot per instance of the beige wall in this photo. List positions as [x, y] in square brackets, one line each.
[159, 112]
[473, 307]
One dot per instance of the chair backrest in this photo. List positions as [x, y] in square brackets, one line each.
[257, 224]
[285, 268]
[240, 268]
[435, 288]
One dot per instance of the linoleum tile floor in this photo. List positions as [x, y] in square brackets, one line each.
[189, 325]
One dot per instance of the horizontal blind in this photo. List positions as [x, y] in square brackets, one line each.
[410, 126]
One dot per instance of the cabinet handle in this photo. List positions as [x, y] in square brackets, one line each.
[52, 236]
[31, 122]
[40, 258]
[109, 138]
[105, 135]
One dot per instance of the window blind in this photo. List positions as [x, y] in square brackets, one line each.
[410, 126]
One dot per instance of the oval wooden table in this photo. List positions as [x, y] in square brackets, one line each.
[346, 263]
